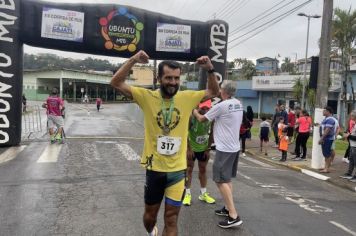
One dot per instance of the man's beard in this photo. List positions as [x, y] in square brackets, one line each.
[169, 90]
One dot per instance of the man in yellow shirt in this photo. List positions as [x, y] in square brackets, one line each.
[166, 117]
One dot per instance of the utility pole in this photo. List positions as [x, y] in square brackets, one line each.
[323, 81]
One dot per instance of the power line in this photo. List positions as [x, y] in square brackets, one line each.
[199, 8]
[181, 8]
[235, 9]
[271, 23]
[225, 7]
[259, 17]
[268, 22]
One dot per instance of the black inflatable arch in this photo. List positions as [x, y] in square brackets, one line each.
[106, 29]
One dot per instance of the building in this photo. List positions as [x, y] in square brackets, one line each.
[142, 75]
[267, 66]
[73, 84]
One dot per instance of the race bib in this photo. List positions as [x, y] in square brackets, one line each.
[201, 139]
[167, 145]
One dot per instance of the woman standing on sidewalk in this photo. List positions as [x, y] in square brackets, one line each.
[304, 124]
[244, 129]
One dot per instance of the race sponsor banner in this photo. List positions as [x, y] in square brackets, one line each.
[62, 24]
[173, 38]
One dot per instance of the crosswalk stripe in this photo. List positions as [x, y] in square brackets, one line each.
[50, 154]
[11, 153]
[127, 152]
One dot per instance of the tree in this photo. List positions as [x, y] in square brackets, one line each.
[343, 42]
[288, 66]
[248, 69]
[298, 90]
[310, 93]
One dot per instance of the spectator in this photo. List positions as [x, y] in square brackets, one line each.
[275, 121]
[264, 134]
[291, 124]
[350, 127]
[327, 133]
[303, 123]
[228, 118]
[24, 103]
[351, 136]
[283, 143]
[249, 116]
[244, 130]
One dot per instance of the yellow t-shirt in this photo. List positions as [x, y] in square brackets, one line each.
[151, 104]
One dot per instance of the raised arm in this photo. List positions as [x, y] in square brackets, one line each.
[212, 88]
[118, 80]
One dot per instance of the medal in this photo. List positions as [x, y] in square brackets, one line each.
[167, 116]
[166, 130]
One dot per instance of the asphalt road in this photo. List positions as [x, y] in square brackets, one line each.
[93, 185]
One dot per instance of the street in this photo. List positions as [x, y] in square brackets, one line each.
[93, 185]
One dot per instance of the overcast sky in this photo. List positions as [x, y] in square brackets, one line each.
[286, 38]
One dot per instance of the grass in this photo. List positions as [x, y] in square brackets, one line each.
[340, 145]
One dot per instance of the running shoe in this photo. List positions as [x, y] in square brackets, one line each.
[154, 232]
[206, 198]
[353, 179]
[243, 154]
[222, 212]
[230, 222]
[187, 199]
[53, 140]
[346, 176]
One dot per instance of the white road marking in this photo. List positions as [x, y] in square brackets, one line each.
[343, 228]
[257, 162]
[127, 152]
[50, 154]
[11, 153]
[306, 204]
[314, 174]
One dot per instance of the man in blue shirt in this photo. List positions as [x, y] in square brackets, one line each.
[327, 136]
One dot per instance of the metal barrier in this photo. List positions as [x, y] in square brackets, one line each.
[31, 121]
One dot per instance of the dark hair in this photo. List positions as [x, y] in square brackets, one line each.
[305, 113]
[263, 118]
[329, 109]
[281, 118]
[54, 91]
[170, 64]
[249, 113]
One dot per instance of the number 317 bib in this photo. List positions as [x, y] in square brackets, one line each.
[167, 145]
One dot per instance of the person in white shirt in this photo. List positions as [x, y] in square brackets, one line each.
[227, 116]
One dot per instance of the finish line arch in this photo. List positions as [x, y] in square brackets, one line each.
[105, 29]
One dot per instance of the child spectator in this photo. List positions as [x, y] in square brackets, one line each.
[264, 134]
[281, 126]
[283, 144]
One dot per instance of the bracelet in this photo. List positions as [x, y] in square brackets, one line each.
[211, 71]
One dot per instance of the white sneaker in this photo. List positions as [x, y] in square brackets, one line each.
[243, 154]
[345, 160]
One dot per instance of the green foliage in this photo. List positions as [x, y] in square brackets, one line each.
[52, 61]
[298, 90]
[288, 66]
[248, 69]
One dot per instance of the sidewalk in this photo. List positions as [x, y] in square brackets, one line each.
[338, 167]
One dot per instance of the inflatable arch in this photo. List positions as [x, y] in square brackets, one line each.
[105, 29]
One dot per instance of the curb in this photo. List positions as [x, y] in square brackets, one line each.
[305, 171]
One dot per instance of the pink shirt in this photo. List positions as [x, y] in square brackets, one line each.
[304, 124]
[98, 101]
[54, 105]
[351, 125]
